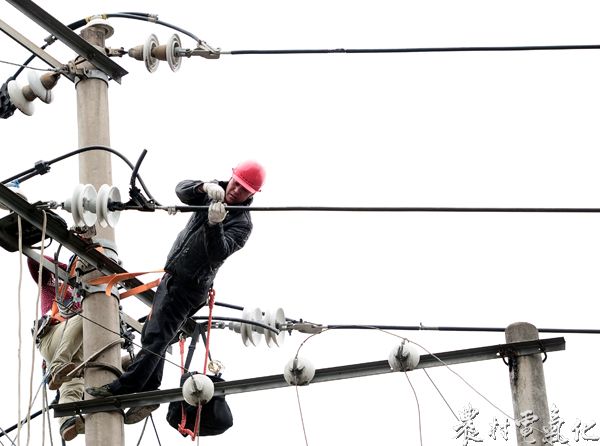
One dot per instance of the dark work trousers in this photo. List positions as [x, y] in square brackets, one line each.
[171, 307]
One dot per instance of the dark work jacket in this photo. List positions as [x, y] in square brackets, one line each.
[200, 248]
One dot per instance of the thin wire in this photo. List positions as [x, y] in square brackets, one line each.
[46, 415]
[466, 382]
[418, 407]
[434, 356]
[25, 66]
[155, 430]
[439, 391]
[143, 430]
[456, 373]
[33, 346]
[20, 243]
[301, 416]
[297, 394]
[414, 50]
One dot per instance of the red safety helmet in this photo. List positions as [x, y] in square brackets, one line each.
[250, 174]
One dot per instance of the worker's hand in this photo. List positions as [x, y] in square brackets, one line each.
[214, 191]
[216, 213]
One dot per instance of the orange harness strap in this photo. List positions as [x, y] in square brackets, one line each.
[113, 279]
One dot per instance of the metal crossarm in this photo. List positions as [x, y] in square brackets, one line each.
[33, 48]
[69, 38]
[321, 375]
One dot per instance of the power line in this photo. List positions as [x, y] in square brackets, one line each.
[467, 329]
[415, 50]
[116, 206]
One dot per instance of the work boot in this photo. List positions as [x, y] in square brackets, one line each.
[59, 376]
[137, 414]
[101, 392]
[72, 427]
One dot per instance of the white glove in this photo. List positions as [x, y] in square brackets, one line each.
[214, 191]
[216, 213]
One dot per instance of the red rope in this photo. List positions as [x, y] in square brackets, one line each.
[181, 427]
[211, 304]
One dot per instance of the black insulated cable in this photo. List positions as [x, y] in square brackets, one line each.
[42, 167]
[467, 329]
[116, 206]
[416, 50]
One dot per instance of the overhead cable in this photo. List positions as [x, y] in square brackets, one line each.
[116, 206]
[415, 50]
[468, 329]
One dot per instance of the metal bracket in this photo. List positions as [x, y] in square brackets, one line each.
[87, 73]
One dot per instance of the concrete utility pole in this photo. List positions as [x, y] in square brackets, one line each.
[528, 388]
[105, 428]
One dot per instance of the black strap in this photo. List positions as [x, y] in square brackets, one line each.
[193, 342]
[204, 340]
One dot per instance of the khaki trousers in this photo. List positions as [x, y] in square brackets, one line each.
[62, 344]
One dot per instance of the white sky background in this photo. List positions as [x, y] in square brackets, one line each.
[439, 129]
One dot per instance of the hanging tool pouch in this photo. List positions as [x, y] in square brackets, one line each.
[215, 416]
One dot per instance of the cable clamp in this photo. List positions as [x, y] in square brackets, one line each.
[303, 327]
[203, 49]
[42, 167]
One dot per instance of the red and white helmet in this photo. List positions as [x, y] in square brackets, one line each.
[250, 174]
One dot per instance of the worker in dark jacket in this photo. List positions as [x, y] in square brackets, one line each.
[209, 238]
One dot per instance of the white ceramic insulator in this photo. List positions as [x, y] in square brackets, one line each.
[299, 372]
[404, 357]
[274, 320]
[249, 332]
[15, 93]
[107, 195]
[87, 205]
[173, 59]
[198, 389]
[150, 61]
[35, 83]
